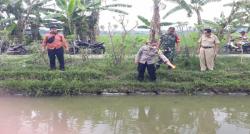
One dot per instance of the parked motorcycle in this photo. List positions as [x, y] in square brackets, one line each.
[17, 50]
[96, 48]
[231, 47]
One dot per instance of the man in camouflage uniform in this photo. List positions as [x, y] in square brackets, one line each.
[169, 45]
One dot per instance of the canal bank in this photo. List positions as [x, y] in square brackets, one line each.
[24, 76]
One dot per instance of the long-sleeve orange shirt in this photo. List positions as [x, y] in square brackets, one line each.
[58, 42]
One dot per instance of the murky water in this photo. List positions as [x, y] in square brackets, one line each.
[125, 115]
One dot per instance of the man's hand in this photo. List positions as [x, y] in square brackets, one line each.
[43, 50]
[136, 62]
[198, 51]
[215, 53]
[67, 49]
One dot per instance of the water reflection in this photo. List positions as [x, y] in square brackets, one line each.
[125, 115]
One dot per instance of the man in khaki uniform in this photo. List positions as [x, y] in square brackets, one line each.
[208, 49]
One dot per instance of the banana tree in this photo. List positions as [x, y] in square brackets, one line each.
[147, 24]
[82, 16]
[241, 12]
[66, 13]
[238, 17]
[93, 19]
[18, 14]
[155, 24]
[191, 7]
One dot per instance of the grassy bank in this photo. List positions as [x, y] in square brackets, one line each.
[20, 75]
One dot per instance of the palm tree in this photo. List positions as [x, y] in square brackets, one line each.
[192, 6]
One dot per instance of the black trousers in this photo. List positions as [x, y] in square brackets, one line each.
[53, 53]
[151, 71]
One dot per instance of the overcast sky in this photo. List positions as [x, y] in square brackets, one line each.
[145, 8]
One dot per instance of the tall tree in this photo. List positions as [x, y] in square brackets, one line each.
[155, 23]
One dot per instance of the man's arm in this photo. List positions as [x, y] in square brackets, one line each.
[165, 59]
[162, 56]
[65, 43]
[178, 49]
[138, 55]
[44, 43]
[199, 45]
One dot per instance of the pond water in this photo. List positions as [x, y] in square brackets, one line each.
[125, 115]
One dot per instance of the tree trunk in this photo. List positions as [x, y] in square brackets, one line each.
[81, 31]
[35, 31]
[155, 23]
[199, 21]
[96, 28]
[93, 26]
[19, 31]
[93, 22]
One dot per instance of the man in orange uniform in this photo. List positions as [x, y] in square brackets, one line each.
[55, 44]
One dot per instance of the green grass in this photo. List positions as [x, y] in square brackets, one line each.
[20, 75]
[29, 75]
[134, 42]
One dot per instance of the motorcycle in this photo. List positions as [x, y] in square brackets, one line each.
[96, 48]
[17, 50]
[231, 47]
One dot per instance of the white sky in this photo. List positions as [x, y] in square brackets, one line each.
[145, 8]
